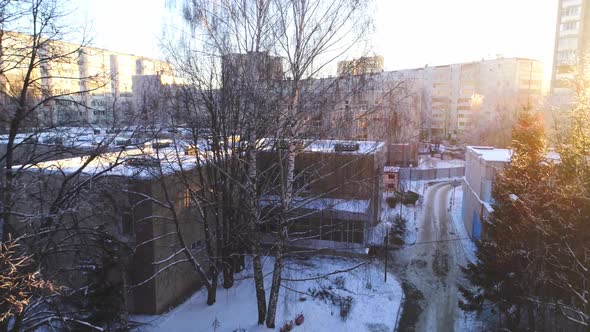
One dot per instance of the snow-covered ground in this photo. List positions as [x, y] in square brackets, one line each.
[427, 162]
[375, 303]
[467, 244]
[411, 213]
[430, 263]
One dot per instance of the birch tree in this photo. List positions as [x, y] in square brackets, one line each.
[308, 37]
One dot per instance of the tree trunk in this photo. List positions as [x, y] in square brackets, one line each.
[228, 270]
[212, 290]
[18, 322]
[259, 284]
[211, 295]
[274, 290]
[253, 217]
[4, 326]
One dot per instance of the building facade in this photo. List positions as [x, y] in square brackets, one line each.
[82, 85]
[337, 189]
[361, 66]
[482, 163]
[148, 272]
[469, 102]
[572, 42]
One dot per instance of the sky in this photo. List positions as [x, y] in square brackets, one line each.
[409, 33]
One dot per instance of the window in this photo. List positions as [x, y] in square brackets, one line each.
[566, 56]
[187, 198]
[362, 123]
[571, 10]
[568, 26]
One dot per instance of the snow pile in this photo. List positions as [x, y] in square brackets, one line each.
[373, 308]
[427, 162]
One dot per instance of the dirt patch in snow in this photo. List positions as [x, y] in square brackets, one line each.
[412, 307]
[440, 265]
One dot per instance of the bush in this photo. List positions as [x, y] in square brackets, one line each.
[407, 198]
[397, 231]
[327, 294]
[345, 306]
[339, 282]
[410, 197]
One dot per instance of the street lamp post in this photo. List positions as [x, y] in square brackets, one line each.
[401, 208]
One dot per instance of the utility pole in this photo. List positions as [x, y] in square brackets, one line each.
[386, 253]
[401, 208]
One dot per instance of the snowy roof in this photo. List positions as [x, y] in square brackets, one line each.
[364, 147]
[391, 169]
[323, 203]
[489, 153]
[554, 156]
[142, 163]
[329, 146]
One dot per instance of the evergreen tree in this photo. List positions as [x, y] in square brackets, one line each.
[571, 264]
[510, 272]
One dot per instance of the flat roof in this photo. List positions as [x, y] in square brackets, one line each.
[321, 203]
[142, 163]
[329, 146]
[145, 162]
[490, 153]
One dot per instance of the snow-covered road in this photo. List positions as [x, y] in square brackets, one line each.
[431, 267]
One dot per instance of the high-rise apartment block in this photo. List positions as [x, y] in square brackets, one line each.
[572, 43]
[445, 102]
[467, 96]
[86, 85]
[360, 66]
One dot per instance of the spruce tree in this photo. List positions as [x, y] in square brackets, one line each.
[509, 272]
[571, 264]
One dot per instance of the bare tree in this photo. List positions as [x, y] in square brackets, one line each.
[241, 39]
[44, 86]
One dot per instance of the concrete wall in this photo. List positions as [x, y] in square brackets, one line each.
[477, 191]
[113, 204]
[402, 154]
[174, 284]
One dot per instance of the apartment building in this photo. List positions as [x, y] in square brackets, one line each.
[87, 85]
[461, 101]
[361, 66]
[468, 97]
[153, 100]
[251, 66]
[572, 40]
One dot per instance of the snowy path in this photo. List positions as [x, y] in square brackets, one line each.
[430, 268]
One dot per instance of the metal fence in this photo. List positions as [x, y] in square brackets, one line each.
[430, 174]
